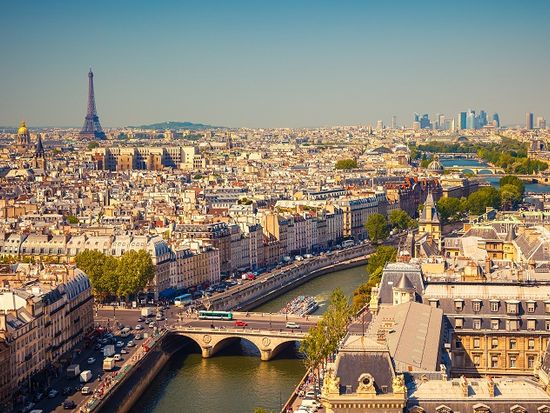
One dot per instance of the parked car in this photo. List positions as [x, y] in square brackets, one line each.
[119, 344]
[69, 405]
[123, 351]
[91, 360]
[138, 337]
[139, 327]
[67, 390]
[117, 357]
[130, 344]
[151, 324]
[86, 390]
[141, 319]
[52, 393]
[240, 323]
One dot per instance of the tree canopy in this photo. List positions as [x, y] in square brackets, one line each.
[377, 227]
[484, 197]
[451, 209]
[346, 164]
[121, 276]
[401, 220]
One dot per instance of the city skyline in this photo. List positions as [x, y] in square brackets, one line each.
[278, 65]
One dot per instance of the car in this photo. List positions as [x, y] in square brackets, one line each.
[131, 344]
[86, 390]
[139, 327]
[119, 344]
[292, 324]
[123, 351]
[52, 393]
[240, 323]
[151, 324]
[69, 404]
[67, 390]
[117, 357]
[141, 320]
[91, 360]
[138, 337]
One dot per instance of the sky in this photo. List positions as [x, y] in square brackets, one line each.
[281, 63]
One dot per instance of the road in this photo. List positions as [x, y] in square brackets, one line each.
[104, 318]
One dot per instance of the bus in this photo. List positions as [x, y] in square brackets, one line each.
[215, 315]
[183, 299]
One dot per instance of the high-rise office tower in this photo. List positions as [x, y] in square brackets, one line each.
[529, 116]
[496, 120]
[394, 122]
[471, 120]
[541, 122]
[425, 122]
[482, 119]
[461, 121]
[379, 125]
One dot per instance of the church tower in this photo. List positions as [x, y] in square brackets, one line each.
[429, 222]
[23, 143]
[39, 158]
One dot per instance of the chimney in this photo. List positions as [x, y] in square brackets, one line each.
[464, 386]
[491, 386]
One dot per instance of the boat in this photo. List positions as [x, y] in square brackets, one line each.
[300, 306]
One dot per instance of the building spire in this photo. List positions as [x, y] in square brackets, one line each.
[92, 127]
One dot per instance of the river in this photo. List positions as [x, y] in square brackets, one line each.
[235, 380]
[493, 180]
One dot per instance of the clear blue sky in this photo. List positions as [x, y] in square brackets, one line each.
[272, 63]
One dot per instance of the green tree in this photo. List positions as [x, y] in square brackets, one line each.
[400, 219]
[449, 209]
[337, 318]
[346, 164]
[483, 198]
[377, 227]
[71, 219]
[510, 196]
[92, 145]
[135, 270]
[513, 180]
[92, 262]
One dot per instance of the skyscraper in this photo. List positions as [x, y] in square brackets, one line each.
[496, 120]
[461, 120]
[471, 120]
[529, 116]
[92, 128]
[394, 122]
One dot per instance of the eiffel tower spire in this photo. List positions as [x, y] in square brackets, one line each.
[92, 128]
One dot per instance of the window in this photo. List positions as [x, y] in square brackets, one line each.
[477, 324]
[512, 362]
[494, 324]
[494, 343]
[459, 322]
[531, 307]
[530, 362]
[458, 344]
[512, 325]
[434, 302]
[494, 306]
[459, 304]
[476, 306]
[512, 308]
[531, 324]
[547, 325]
[477, 342]
[531, 344]
[512, 344]
[494, 361]
[547, 306]
[477, 360]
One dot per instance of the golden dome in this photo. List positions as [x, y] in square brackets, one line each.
[22, 129]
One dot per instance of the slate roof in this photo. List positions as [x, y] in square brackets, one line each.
[392, 275]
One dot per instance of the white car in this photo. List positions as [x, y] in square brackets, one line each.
[117, 357]
[130, 344]
[119, 344]
[139, 327]
[91, 360]
[86, 390]
[292, 324]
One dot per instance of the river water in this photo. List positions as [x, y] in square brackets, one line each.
[235, 380]
[494, 181]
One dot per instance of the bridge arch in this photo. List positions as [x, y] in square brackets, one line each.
[468, 171]
[283, 345]
[484, 172]
[227, 341]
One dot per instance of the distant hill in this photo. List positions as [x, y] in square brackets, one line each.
[175, 125]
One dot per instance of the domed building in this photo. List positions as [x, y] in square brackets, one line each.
[435, 166]
[23, 138]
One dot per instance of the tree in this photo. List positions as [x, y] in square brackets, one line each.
[346, 164]
[449, 209]
[71, 219]
[513, 180]
[377, 227]
[337, 318]
[510, 196]
[483, 198]
[135, 270]
[375, 266]
[92, 262]
[92, 145]
[400, 219]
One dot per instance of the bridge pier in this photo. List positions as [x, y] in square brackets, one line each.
[266, 354]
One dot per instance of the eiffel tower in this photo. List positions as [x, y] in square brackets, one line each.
[92, 128]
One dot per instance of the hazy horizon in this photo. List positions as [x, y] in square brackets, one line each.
[283, 64]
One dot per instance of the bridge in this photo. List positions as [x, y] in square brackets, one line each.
[266, 331]
[456, 155]
[476, 170]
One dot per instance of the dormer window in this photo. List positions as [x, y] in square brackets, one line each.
[476, 305]
[459, 305]
[494, 305]
[531, 306]
[512, 307]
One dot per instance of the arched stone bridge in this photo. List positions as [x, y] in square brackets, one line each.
[268, 332]
[476, 170]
